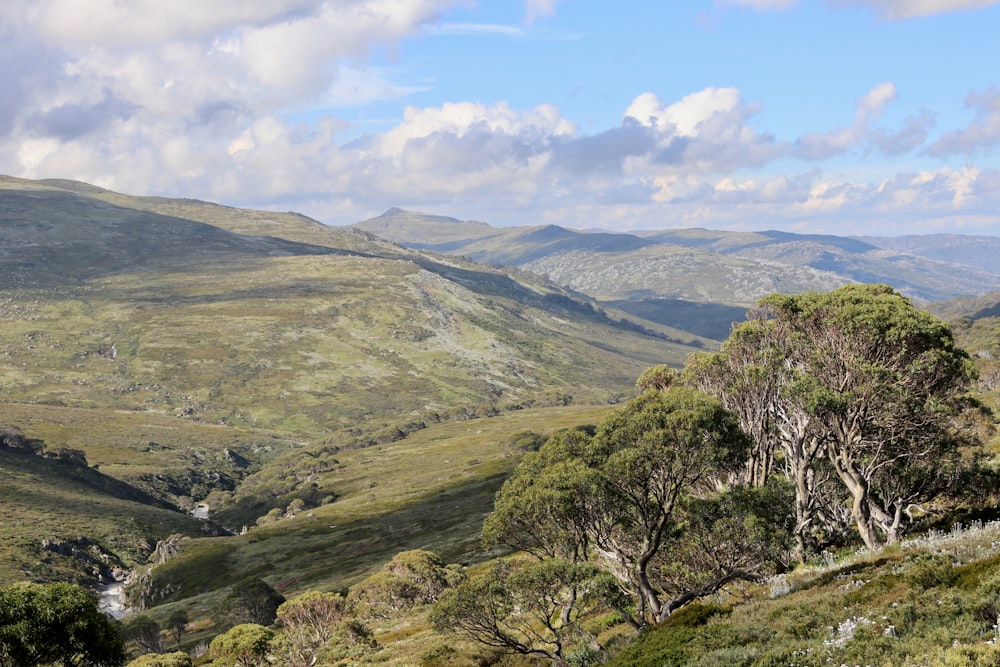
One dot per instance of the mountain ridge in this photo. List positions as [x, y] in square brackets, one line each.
[733, 268]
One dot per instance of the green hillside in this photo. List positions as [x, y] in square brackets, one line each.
[65, 521]
[333, 399]
[200, 352]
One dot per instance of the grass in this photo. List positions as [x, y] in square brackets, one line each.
[429, 491]
[46, 500]
[931, 601]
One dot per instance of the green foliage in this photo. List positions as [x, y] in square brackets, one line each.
[315, 625]
[412, 578]
[633, 500]
[526, 607]
[176, 659]
[176, 624]
[46, 623]
[316, 628]
[547, 506]
[855, 385]
[252, 601]
[657, 377]
[245, 645]
[143, 634]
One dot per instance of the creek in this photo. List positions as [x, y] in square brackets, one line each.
[112, 599]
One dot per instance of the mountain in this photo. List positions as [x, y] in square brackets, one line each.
[980, 252]
[976, 322]
[202, 353]
[734, 268]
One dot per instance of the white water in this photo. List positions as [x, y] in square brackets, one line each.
[112, 600]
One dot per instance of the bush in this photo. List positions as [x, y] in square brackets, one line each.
[178, 659]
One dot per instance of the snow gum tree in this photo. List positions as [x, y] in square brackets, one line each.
[636, 497]
[855, 386]
[881, 381]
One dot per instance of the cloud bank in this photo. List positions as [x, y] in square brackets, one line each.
[235, 101]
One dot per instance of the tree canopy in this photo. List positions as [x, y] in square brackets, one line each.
[623, 499]
[56, 623]
[857, 385]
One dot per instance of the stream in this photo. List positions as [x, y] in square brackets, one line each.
[112, 600]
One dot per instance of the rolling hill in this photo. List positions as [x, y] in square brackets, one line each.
[343, 398]
[203, 353]
[734, 268]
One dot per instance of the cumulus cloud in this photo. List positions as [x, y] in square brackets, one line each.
[178, 57]
[912, 135]
[707, 130]
[981, 134]
[235, 102]
[870, 107]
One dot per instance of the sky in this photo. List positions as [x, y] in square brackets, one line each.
[844, 117]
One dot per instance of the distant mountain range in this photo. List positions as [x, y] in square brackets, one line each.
[734, 268]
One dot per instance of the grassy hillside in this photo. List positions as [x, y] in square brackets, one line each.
[200, 352]
[428, 491]
[66, 521]
[932, 602]
[141, 312]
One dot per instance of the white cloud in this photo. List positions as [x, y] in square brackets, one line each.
[234, 103]
[760, 5]
[908, 9]
[981, 134]
[141, 23]
[536, 8]
[822, 145]
[707, 130]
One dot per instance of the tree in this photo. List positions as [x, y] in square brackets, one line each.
[549, 506]
[752, 377]
[530, 608]
[56, 623]
[309, 622]
[659, 377]
[177, 623]
[880, 381]
[245, 645]
[658, 448]
[177, 659]
[616, 498]
[410, 579]
[746, 376]
[723, 538]
[252, 600]
[143, 633]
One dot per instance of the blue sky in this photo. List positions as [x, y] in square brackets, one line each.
[834, 116]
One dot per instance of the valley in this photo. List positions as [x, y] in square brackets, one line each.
[338, 396]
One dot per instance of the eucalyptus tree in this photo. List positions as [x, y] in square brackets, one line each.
[42, 624]
[624, 499]
[881, 381]
[527, 607]
[244, 645]
[753, 377]
[660, 447]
